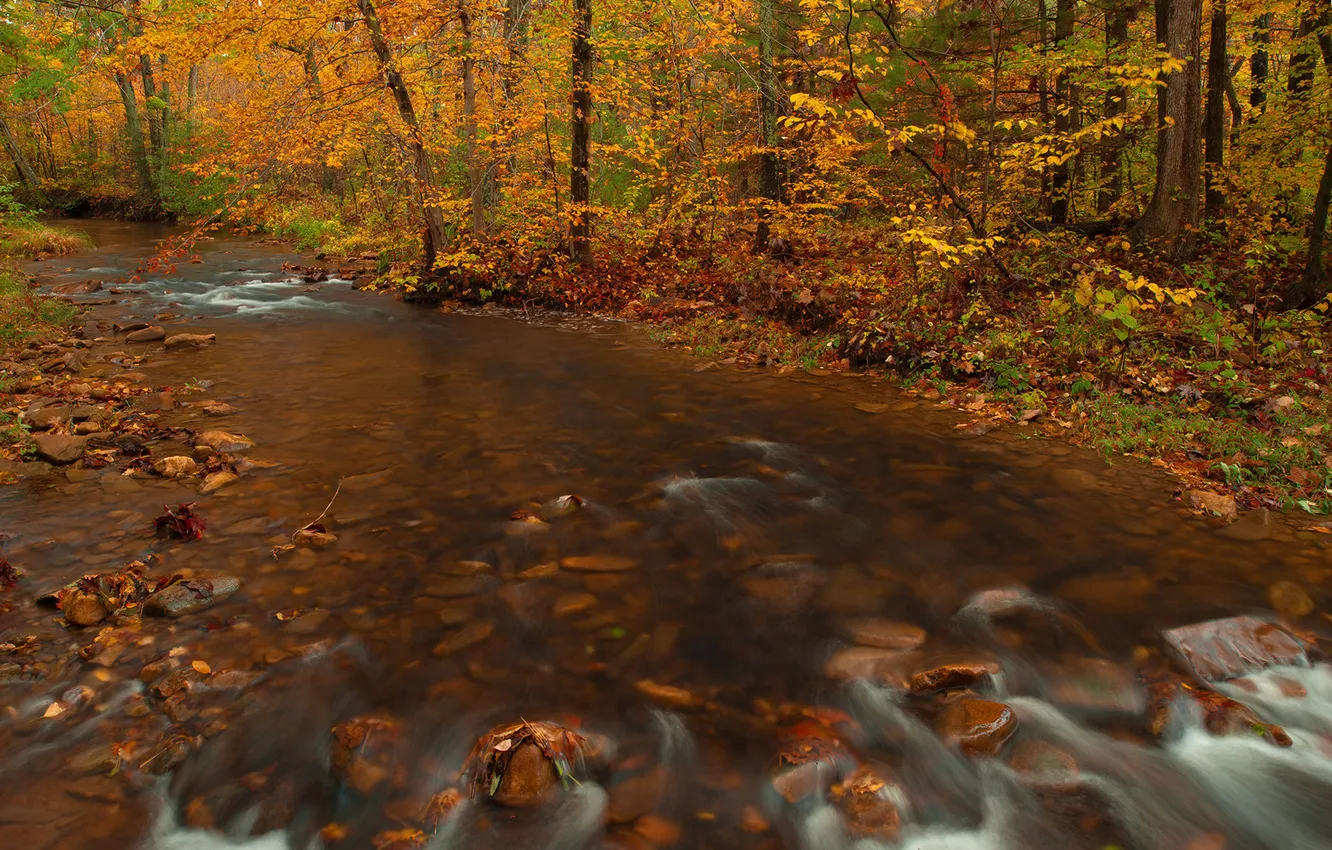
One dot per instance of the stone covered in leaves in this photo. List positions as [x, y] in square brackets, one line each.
[191, 595]
[96, 596]
[521, 764]
[1217, 650]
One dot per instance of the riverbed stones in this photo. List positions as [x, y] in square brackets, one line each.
[1217, 650]
[362, 753]
[190, 596]
[217, 480]
[598, 563]
[574, 603]
[1043, 766]
[469, 635]
[152, 333]
[979, 727]
[182, 341]
[950, 676]
[866, 801]
[217, 408]
[882, 666]
[47, 417]
[153, 402]
[456, 587]
[177, 466]
[59, 448]
[884, 634]
[222, 441]
[528, 778]
[83, 608]
[1212, 503]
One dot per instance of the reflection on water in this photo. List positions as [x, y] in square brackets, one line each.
[733, 528]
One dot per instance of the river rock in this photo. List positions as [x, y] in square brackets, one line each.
[574, 603]
[189, 341]
[59, 448]
[153, 402]
[1228, 648]
[883, 666]
[598, 563]
[80, 287]
[453, 588]
[83, 608]
[949, 676]
[1252, 527]
[152, 333]
[1212, 503]
[884, 634]
[469, 635]
[866, 801]
[636, 796]
[176, 466]
[1075, 480]
[363, 750]
[1289, 599]
[191, 595]
[47, 417]
[217, 480]
[221, 441]
[24, 469]
[1096, 686]
[1043, 766]
[978, 726]
[528, 777]
[217, 408]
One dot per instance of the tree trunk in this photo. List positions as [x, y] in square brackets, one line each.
[770, 181]
[1171, 219]
[580, 154]
[1258, 63]
[1214, 123]
[134, 128]
[1314, 284]
[1117, 20]
[435, 237]
[1302, 59]
[21, 163]
[475, 171]
[149, 95]
[192, 95]
[1063, 116]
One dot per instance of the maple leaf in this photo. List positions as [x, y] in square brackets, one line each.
[181, 522]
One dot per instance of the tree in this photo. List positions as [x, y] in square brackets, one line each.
[19, 158]
[435, 237]
[1171, 219]
[770, 182]
[1214, 122]
[134, 130]
[1314, 284]
[1117, 20]
[1065, 112]
[476, 173]
[580, 153]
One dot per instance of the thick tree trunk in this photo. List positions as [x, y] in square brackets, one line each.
[1258, 63]
[134, 129]
[1171, 220]
[1302, 58]
[436, 237]
[515, 45]
[1214, 122]
[770, 180]
[580, 154]
[1315, 284]
[154, 115]
[21, 163]
[1064, 118]
[475, 171]
[1117, 20]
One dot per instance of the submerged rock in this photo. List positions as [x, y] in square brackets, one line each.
[883, 666]
[83, 608]
[884, 634]
[949, 676]
[520, 765]
[1228, 648]
[191, 595]
[363, 752]
[598, 563]
[177, 466]
[217, 480]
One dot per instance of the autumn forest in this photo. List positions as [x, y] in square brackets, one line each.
[1057, 203]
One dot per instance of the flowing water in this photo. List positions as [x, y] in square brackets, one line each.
[755, 516]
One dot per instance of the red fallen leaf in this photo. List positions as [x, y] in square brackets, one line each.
[9, 575]
[181, 522]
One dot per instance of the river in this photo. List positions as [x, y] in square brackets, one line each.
[735, 532]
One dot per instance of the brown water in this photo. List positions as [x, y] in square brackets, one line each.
[761, 513]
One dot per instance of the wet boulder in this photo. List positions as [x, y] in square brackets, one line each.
[950, 676]
[217, 480]
[152, 333]
[78, 287]
[181, 341]
[523, 764]
[177, 466]
[1044, 767]
[888, 667]
[154, 402]
[47, 417]
[190, 596]
[83, 608]
[221, 441]
[1217, 650]
[59, 448]
[1172, 700]
[866, 800]
[979, 727]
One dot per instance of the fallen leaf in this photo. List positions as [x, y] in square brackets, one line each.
[201, 667]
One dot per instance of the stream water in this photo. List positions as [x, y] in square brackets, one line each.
[751, 520]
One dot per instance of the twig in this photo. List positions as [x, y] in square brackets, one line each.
[323, 513]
